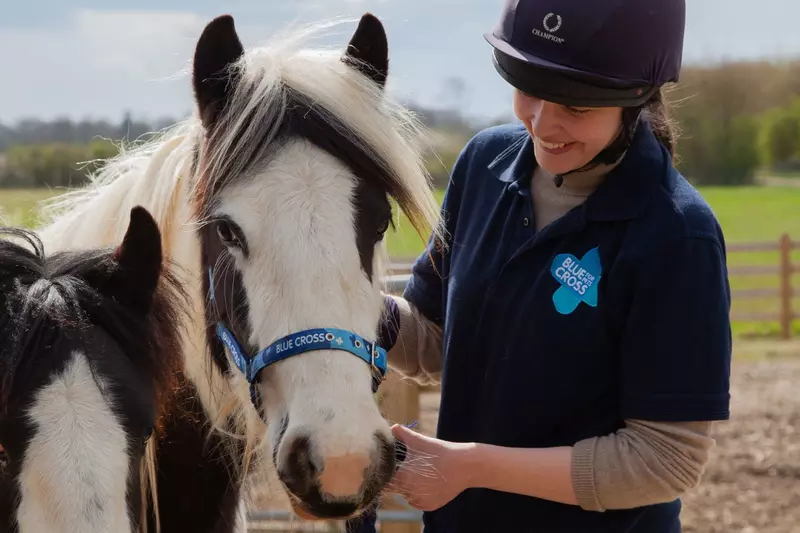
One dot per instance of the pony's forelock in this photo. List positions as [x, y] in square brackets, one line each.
[272, 78]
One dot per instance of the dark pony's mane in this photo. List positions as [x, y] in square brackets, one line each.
[45, 301]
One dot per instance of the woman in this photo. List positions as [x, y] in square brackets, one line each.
[576, 312]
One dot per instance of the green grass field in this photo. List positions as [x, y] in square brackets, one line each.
[747, 214]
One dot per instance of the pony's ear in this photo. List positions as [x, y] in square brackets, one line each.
[368, 50]
[138, 262]
[217, 49]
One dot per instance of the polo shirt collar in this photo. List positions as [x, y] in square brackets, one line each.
[626, 189]
[515, 163]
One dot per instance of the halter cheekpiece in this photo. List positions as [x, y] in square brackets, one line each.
[308, 340]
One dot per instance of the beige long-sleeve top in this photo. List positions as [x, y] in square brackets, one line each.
[642, 463]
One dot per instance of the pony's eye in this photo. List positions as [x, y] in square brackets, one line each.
[4, 460]
[383, 227]
[231, 235]
[225, 232]
[228, 234]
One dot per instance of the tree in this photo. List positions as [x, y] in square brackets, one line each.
[779, 138]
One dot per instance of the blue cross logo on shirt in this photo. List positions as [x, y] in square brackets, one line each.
[578, 279]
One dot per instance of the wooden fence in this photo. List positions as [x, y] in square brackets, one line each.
[785, 292]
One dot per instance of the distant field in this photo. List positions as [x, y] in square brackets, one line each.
[746, 214]
[753, 214]
[18, 206]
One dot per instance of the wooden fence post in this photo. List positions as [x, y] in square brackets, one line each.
[786, 285]
[399, 400]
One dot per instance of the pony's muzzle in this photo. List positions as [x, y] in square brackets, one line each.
[335, 487]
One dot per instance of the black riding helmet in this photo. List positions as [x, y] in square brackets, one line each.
[591, 54]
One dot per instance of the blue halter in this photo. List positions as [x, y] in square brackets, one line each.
[297, 343]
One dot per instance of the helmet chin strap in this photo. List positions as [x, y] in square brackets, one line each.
[614, 151]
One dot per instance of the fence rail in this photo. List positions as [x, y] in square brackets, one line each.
[785, 269]
[280, 521]
[400, 398]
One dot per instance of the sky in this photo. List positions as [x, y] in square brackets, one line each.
[98, 59]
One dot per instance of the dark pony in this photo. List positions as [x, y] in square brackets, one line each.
[89, 353]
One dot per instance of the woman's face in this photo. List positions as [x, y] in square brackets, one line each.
[566, 138]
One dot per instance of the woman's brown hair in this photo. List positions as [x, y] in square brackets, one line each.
[656, 112]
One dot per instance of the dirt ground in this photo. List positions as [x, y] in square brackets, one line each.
[752, 484]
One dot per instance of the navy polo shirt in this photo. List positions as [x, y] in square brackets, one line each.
[619, 309]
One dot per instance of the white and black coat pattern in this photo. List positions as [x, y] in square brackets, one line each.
[280, 184]
[88, 350]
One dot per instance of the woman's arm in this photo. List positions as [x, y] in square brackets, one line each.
[417, 351]
[540, 472]
[643, 463]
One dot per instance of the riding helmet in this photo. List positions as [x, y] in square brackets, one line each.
[592, 53]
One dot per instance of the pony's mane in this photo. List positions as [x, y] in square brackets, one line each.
[277, 83]
[45, 301]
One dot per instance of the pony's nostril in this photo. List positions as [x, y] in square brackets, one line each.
[299, 470]
[299, 456]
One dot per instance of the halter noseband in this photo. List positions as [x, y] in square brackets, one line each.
[308, 340]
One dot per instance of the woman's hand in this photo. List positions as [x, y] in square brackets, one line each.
[434, 471]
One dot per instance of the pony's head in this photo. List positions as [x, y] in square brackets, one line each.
[87, 355]
[302, 153]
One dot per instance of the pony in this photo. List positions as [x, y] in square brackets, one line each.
[88, 354]
[274, 198]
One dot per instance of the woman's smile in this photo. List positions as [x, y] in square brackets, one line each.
[554, 148]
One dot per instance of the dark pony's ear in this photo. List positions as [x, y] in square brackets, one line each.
[138, 263]
[368, 50]
[217, 49]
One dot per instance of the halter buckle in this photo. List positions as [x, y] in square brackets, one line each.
[374, 355]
